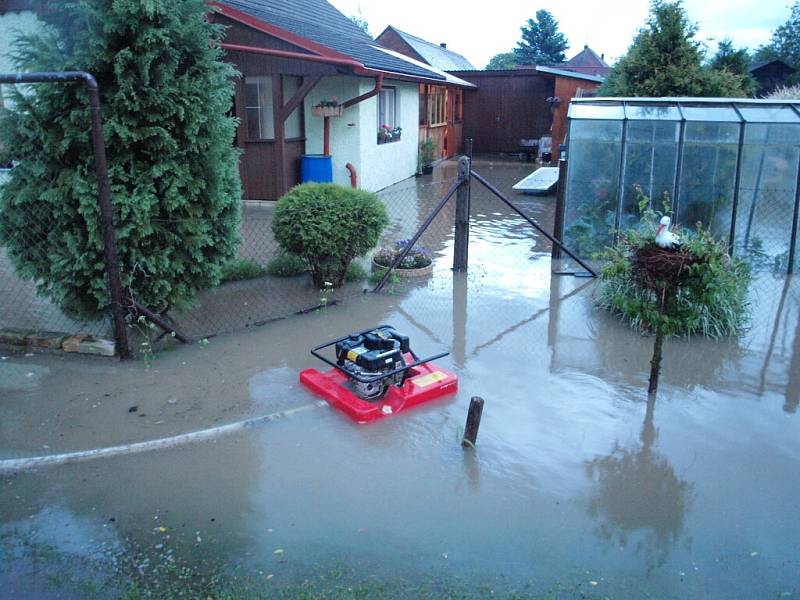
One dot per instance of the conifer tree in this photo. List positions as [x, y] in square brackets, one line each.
[542, 43]
[785, 43]
[176, 196]
[666, 60]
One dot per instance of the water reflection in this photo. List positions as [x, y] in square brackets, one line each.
[792, 392]
[640, 500]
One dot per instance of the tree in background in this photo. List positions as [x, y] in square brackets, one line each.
[172, 166]
[360, 21]
[502, 62]
[666, 60]
[737, 62]
[785, 44]
[542, 42]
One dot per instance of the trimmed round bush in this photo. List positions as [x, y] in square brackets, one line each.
[328, 225]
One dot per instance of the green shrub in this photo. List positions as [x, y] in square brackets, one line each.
[166, 92]
[328, 225]
[241, 269]
[287, 265]
[708, 297]
[355, 272]
[693, 289]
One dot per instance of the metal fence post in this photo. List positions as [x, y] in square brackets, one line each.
[461, 247]
[107, 222]
[558, 220]
[103, 190]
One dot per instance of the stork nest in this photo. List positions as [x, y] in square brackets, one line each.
[657, 268]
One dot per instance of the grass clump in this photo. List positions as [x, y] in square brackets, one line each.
[697, 289]
[355, 272]
[240, 269]
[694, 289]
[287, 265]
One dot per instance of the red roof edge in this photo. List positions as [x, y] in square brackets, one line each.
[277, 32]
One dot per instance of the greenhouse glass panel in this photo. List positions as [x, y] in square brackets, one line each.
[596, 111]
[592, 181]
[652, 112]
[769, 114]
[651, 157]
[767, 193]
[707, 177]
[710, 113]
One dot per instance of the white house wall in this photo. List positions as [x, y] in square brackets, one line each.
[385, 164]
[354, 135]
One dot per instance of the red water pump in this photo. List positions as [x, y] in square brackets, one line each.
[376, 374]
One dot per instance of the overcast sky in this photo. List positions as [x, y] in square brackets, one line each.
[479, 30]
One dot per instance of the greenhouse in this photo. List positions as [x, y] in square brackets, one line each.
[730, 164]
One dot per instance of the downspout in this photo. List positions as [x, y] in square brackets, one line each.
[373, 92]
[345, 105]
[353, 175]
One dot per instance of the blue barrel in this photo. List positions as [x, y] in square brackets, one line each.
[316, 167]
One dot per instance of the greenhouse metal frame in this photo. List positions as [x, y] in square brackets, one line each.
[731, 164]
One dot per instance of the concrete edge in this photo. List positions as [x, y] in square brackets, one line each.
[57, 341]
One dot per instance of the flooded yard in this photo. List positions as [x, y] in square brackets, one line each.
[578, 487]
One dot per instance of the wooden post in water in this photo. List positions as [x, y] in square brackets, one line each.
[473, 422]
[461, 244]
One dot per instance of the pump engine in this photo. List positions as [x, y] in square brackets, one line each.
[372, 360]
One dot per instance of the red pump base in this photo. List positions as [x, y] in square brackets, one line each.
[424, 383]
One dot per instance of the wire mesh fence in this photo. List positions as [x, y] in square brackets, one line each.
[505, 253]
[25, 308]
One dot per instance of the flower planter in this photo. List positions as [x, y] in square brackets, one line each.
[406, 273]
[327, 111]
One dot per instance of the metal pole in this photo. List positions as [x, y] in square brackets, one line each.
[558, 220]
[679, 165]
[621, 177]
[737, 182]
[536, 226]
[461, 245]
[795, 218]
[103, 191]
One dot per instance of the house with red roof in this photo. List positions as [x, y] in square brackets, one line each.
[441, 104]
[312, 84]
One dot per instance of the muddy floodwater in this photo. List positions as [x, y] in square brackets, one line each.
[578, 487]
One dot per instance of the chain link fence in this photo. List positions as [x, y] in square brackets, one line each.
[505, 252]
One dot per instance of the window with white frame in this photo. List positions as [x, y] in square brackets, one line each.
[389, 129]
[258, 108]
[436, 106]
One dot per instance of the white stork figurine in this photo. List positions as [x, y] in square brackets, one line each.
[664, 237]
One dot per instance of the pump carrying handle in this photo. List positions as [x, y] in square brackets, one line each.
[378, 376]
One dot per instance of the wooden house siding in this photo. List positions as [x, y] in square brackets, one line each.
[567, 88]
[506, 107]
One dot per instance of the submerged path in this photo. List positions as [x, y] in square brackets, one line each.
[17, 465]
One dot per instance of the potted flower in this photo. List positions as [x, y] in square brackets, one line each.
[387, 133]
[327, 108]
[427, 154]
[417, 263]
